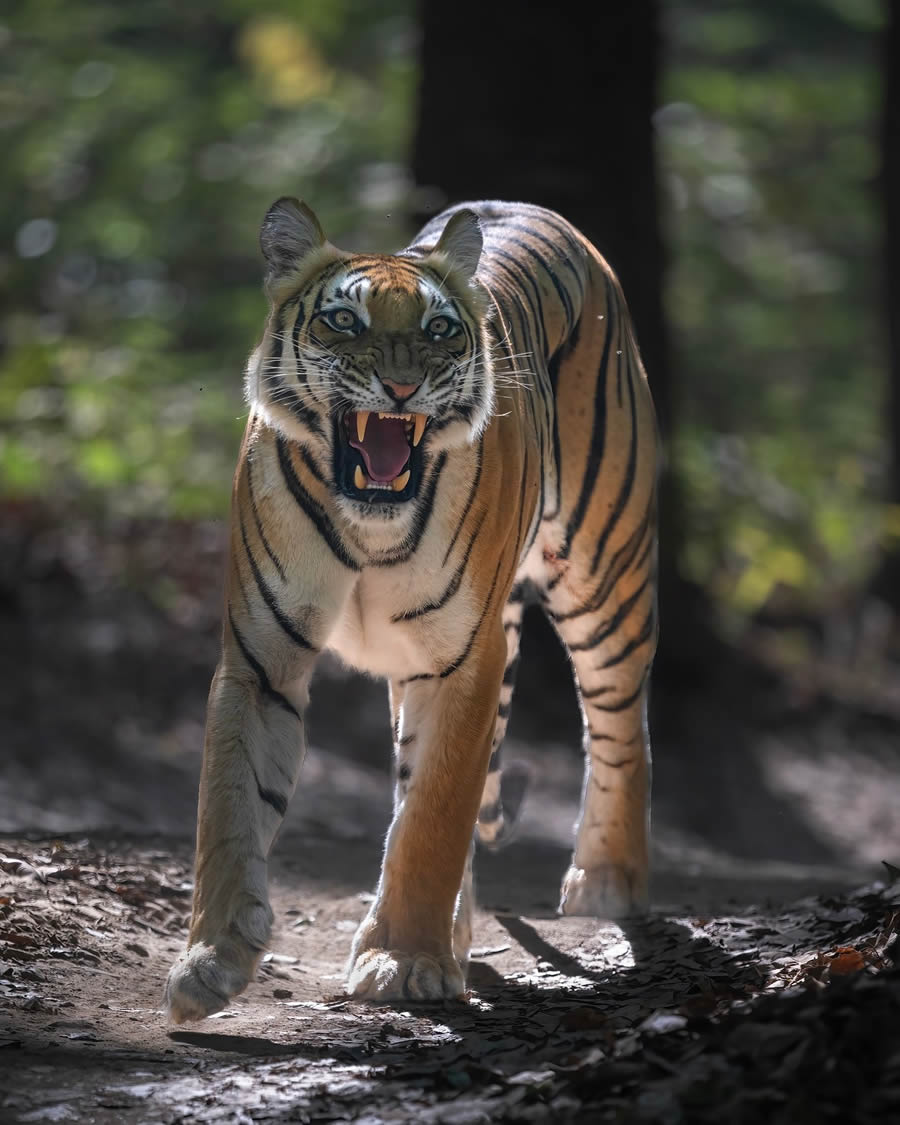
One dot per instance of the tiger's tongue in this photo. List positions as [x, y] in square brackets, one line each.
[385, 449]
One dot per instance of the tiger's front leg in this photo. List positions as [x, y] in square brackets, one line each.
[254, 748]
[404, 947]
[252, 756]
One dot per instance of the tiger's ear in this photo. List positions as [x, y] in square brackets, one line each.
[461, 243]
[290, 233]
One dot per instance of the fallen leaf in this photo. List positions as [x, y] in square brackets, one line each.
[845, 960]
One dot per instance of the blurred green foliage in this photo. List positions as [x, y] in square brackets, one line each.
[768, 145]
[144, 139]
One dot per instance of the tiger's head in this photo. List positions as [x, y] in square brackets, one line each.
[374, 362]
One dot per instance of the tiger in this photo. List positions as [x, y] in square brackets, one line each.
[436, 439]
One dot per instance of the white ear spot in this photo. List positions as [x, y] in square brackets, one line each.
[461, 242]
[290, 232]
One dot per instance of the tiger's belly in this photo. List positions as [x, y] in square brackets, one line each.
[391, 629]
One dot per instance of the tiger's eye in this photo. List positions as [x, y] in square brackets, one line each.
[343, 318]
[439, 326]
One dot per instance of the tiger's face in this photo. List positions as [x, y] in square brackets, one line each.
[374, 362]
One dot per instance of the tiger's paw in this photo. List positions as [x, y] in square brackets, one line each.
[607, 891]
[203, 980]
[383, 975]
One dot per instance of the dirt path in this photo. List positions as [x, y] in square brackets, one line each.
[566, 1017]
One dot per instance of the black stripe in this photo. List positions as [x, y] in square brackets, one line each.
[473, 491]
[287, 396]
[490, 812]
[618, 564]
[651, 543]
[561, 291]
[523, 485]
[258, 522]
[594, 693]
[607, 628]
[269, 598]
[598, 437]
[509, 674]
[410, 544]
[277, 800]
[264, 682]
[646, 633]
[452, 586]
[313, 508]
[577, 252]
[520, 290]
[310, 462]
[623, 704]
[418, 676]
[464, 655]
[295, 343]
[627, 484]
[553, 368]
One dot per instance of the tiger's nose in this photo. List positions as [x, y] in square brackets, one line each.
[400, 391]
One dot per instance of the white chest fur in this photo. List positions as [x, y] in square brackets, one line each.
[383, 630]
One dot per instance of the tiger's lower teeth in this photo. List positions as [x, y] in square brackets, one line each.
[362, 482]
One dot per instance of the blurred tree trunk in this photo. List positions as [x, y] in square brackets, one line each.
[554, 109]
[886, 583]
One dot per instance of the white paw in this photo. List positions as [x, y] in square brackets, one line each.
[202, 981]
[383, 975]
[608, 891]
[206, 977]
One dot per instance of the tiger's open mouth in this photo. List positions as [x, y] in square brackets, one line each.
[378, 456]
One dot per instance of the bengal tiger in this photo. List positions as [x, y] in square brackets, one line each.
[435, 438]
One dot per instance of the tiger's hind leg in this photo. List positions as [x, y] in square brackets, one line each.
[611, 648]
[504, 790]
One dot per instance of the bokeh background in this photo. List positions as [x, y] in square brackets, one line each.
[737, 163]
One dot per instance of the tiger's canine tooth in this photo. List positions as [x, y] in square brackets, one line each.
[419, 429]
[359, 477]
[362, 420]
[399, 483]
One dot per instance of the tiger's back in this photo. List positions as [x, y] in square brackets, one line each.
[436, 437]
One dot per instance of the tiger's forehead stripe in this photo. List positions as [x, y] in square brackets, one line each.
[364, 281]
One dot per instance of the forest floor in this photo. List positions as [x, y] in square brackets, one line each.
[764, 987]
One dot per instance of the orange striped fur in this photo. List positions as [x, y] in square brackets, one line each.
[500, 349]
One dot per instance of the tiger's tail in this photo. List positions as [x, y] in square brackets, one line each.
[501, 803]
